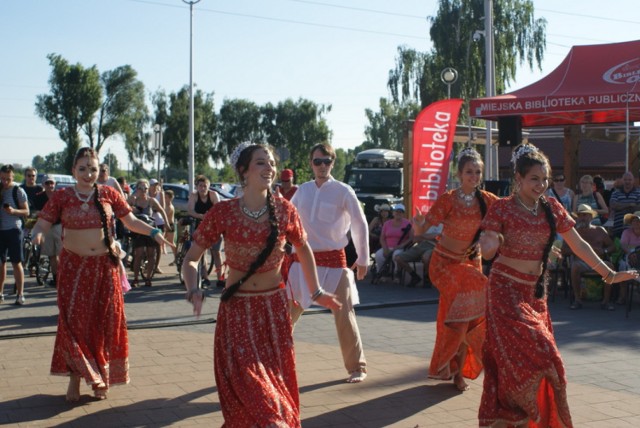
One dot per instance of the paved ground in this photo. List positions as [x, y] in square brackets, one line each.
[172, 371]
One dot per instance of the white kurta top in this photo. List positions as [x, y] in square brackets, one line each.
[328, 213]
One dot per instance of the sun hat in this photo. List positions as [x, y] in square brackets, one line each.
[47, 178]
[585, 209]
[382, 207]
[153, 182]
[398, 207]
[629, 217]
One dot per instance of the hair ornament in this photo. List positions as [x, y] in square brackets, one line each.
[468, 152]
[522, 150]
[235, 155]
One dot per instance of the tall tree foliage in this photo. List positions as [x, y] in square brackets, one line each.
[74, 98]
[386, 126]
[172, 112]
[518, 38]
[101, 106]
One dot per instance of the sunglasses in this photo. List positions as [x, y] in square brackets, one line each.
[49, 183]
[30, 175]
[320, 161]
[558, 179]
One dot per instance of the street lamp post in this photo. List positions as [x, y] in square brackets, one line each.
[191, 125]
[157, 143]
[449, 76]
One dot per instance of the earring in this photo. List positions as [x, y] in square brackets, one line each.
[516, 187]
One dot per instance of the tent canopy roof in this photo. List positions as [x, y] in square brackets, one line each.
[594, 84]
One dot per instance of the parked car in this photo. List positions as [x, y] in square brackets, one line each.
[181, 195]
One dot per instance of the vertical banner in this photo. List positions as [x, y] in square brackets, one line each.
[433, 134]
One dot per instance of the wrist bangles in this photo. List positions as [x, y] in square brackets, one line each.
[317, 294]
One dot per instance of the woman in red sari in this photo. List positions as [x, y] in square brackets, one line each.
[525, 381]
[455, 270]
[91, 340]
[254, 361]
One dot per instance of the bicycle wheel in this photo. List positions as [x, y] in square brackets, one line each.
[208, 261]
[183, 248]
[27, 248]
[43, 269]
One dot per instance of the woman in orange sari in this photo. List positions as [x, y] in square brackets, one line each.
[456, 271]
[91, 340]
[524, 380]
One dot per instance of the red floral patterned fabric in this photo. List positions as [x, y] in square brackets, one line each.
[91, 340]
[459, 221]
[462, 288]
[525, 235]
[524, 378]
[65, 206]
[254, 361]
[245, 238]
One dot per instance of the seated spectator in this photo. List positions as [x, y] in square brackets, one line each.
[420, 251]
[396, 234]
[563, 194]
[602, 245]
[588, 196]
[375, 227]
[630, 244]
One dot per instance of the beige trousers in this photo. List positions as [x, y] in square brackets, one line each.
[346, 327]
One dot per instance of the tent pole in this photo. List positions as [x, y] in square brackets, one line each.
[627, 167]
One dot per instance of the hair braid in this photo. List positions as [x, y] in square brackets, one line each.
[483, 212]
[541, 284]
[264, 254]
[105, 227]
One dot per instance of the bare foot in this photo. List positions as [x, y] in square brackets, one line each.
[73, 391]
[357, 377]
[460, 384]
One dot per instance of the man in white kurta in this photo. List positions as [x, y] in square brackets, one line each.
[329, 209]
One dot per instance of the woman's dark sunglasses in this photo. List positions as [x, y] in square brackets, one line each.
[320, 161]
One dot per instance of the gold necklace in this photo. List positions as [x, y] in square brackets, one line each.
[533, 210]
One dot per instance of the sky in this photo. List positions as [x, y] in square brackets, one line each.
[336, 52]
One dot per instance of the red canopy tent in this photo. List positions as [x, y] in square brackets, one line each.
[594, 84]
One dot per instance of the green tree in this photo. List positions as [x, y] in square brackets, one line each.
[52, 163]
[122, 109]
[75, 97]
[518, 38]
[100, 106]
[386, 127]
[239, 120]
[114, 167]
[295, 126]
[172, 112]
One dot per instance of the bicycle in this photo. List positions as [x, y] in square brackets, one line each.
[184, 243]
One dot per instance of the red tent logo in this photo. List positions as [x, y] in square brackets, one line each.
[627, 72]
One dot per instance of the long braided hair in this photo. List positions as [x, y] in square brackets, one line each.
[525, 156]
[108, 239]
[242, 165]
[470, 155]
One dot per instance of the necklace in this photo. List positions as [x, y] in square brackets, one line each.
[533, 210]
[468, 199]
[85, 205]
[254, 214]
